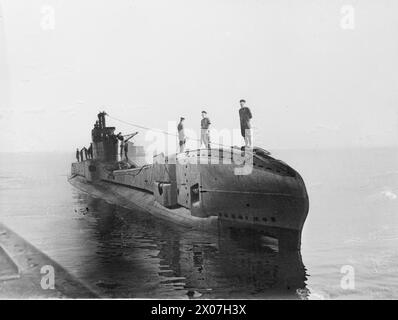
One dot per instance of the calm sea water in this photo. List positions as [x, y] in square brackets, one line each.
[352, 227]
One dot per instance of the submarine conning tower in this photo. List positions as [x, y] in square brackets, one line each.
[105, 143]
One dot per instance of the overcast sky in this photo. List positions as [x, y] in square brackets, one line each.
[309, 81]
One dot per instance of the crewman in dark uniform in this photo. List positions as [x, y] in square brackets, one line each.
[245, 116]
[90, 151]
[77, 154]
[95, 132]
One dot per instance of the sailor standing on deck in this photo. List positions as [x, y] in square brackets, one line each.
[90, 151]
[181, 135]
[205, 132]
[85, 153]
[245, 116]
[77, 154]
[121, 139]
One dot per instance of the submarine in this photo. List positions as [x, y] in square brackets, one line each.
[238, 188]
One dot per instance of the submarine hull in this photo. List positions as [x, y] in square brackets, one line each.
[201, 192]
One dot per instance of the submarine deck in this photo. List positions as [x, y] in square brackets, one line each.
[113, 193]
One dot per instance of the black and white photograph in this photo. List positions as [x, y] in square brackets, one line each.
[207, 151]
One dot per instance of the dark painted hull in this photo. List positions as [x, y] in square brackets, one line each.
[289, 238]
[208, 187]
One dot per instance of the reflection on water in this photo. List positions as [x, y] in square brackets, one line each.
[138, 255]
[352, 221]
